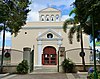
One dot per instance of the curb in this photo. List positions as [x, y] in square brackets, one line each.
[4, 75]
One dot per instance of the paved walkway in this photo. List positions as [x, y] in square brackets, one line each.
[38, 76]
[47, 76]
[46, 72]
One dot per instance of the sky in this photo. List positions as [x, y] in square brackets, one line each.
[63, 5]
[7, 38]
[36, 5]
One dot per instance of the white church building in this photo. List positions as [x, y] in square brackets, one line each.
[45, 37]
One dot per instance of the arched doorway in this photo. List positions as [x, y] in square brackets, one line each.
[49, 56]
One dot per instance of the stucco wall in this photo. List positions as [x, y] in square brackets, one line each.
[33, 29]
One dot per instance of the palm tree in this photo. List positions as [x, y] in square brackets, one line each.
[77, 28]
[88, 14]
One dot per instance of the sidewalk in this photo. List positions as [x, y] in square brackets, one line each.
[4, 75]
[81, 75]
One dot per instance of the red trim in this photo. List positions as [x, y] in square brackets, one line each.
[49, 56]
[42, 59]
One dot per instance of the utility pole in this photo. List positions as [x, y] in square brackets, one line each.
[93, 33]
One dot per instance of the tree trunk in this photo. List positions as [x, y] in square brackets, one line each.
[3, 45]
[82, 50]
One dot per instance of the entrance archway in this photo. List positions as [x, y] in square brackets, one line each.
[49, 56]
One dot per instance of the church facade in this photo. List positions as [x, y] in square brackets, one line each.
[45, 37]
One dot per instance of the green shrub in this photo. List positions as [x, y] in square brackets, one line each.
[98, 75]
[68, 66]
[22, 67]
[91, 75]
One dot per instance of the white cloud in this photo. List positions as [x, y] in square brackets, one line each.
[33, 16]
[7, 36]
[63, 2]
[7, 39]
[38, 5]
[54, 2]
[64, 17]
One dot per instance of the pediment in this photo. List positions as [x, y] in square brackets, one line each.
[48, 9]
[54, 35]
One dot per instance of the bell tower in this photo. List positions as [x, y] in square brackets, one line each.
[50, 15]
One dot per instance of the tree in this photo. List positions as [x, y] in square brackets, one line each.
[78, 30]
[13, 15]
[89, 10]
[83, 10]
[88, 15]
[86, 8]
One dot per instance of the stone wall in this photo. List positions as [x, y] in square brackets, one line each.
[10, 69]
[80, 67]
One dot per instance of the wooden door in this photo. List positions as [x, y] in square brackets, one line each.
[49, 56]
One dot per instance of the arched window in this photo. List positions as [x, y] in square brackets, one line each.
[57, 17]
[42, 18]
[52, 17]
[47, 17]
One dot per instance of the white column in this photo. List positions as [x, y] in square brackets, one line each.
[39, 53]
[59, 43]
[26, 56]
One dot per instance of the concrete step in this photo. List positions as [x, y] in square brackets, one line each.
[46, 68]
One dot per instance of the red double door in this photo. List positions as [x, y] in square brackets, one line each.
[49, 56]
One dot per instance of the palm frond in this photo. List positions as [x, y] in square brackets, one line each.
[66, 23]
[71, 33]
[65, 26]
[73, 11]
[78, 34]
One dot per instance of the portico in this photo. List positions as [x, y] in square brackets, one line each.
[48, 38]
